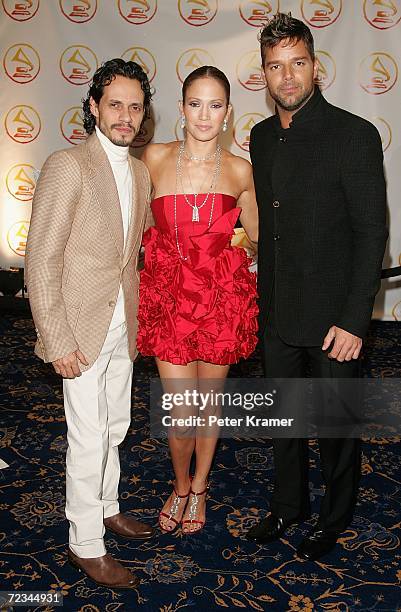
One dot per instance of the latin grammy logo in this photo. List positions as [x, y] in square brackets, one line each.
[137, 11]
[17, 236]
[250, 73]
[78, 64]
[382, 14]
[72, 125]
[321, 13]
[326, 70]
[78, 11]
[25, 127]
[197, 12]
[21, 10]
[325, 13]
[144, 58]
[381, 75]
[242, 129]
[257, 12]
[378, 73]
[25, 67]
[190, 60]
[21, 182]
[23, 124]
[386, 15]
[22, 63]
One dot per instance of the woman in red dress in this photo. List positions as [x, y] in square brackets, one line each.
[197, 311]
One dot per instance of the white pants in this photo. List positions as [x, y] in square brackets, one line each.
[97, 410]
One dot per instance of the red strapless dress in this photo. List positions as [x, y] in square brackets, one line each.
[202, 308]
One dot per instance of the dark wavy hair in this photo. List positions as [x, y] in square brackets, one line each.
[207, 71]
[104, 76]
[285, 27]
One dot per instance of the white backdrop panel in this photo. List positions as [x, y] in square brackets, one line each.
[50, 49]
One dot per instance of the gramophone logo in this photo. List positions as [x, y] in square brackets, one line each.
[78, 11]
[326, 70]
[382, 14]
[72, 125]
[21, 182]
[145, 134]
[378, 73]
[257, 12]
[191, 59]
[250, 73]
[16, 237]
[21, 10]
[137, 11]
[384, 130]
[22, 123]
[144, 58]
[242, 129]
[21, 63]
[77, 64]
[197, 12]
[321, 13]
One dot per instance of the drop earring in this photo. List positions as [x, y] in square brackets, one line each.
[225, 125]
[182, 123]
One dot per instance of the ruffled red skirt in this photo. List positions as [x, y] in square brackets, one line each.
[200, 309]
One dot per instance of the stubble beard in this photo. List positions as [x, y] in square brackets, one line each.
[296, 105]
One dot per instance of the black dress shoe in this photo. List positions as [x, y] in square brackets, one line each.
[269, 529]
[317, 544]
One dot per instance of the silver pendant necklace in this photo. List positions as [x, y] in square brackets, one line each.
[193, 157]
[195, 207]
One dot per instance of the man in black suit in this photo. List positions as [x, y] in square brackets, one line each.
[320, 188]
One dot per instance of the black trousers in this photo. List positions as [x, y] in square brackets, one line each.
[340, 458]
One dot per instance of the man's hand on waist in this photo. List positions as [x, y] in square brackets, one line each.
[346, 346]
[68, 366]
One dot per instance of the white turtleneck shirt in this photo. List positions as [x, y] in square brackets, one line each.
[118, 158]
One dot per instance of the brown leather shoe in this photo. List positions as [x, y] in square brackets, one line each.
[128, 527]
[105, 571]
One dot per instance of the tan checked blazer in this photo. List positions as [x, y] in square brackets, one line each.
[75, 258]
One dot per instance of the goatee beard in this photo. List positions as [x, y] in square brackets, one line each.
[119, 142]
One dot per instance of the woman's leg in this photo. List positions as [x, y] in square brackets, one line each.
[211, 377]
[176, 379]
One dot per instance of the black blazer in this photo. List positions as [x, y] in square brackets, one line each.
[322, 220]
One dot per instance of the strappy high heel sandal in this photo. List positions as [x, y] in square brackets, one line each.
[173, 510]
[193, 511]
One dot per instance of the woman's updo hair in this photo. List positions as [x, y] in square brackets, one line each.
[206, 71]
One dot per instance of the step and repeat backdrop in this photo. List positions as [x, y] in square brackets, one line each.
[51, 48]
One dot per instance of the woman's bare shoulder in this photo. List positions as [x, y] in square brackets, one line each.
[240, 166]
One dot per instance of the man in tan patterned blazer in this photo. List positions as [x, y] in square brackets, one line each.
[89, 213]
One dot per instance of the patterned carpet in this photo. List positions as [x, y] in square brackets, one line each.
[217, 568]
